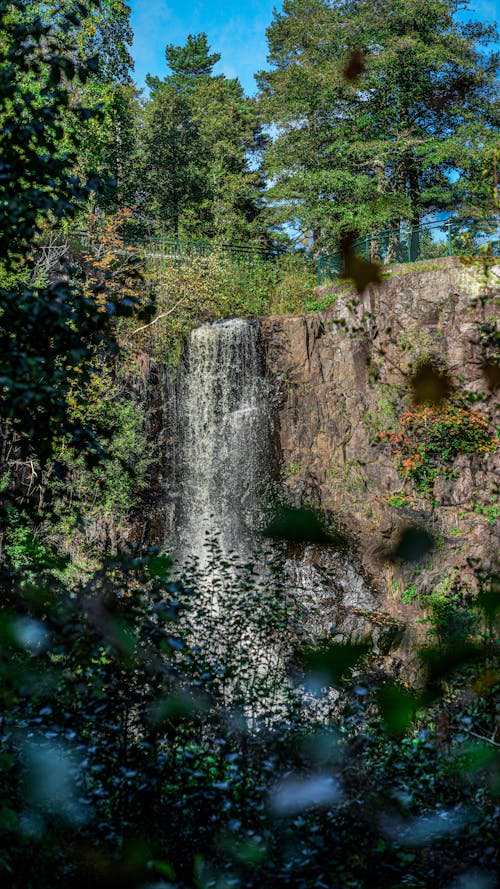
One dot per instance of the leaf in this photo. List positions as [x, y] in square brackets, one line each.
[175, 708]
[355, 66]
[158, 565]
[333, 662]
[430, 384]
[163, 868]
[361, 272]
[413, 544]
[297, 793]
[488, 600]
[444, 662]
[300, 525]
[397, 707]
[93, 64]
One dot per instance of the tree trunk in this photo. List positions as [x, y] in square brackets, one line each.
[119, 165]
[414, 239]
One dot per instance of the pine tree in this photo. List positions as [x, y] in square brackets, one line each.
[383, 110]
[191, 61]
[199, 133]
[171, 173]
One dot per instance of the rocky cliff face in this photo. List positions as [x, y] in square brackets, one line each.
[341, 376]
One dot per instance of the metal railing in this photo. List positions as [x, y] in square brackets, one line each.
[396, 245]
[176, 250]
[405, 243]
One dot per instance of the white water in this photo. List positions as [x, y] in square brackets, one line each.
[226, 439]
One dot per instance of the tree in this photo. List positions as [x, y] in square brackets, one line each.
[380, 110]
[230, 135]
[48, 329]
[191, 61]
[99, 31]
[107, 142]
[94, 38]
[171, 170]
[200, 134]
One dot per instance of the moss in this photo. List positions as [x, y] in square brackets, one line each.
[292, 469]
[423, 265]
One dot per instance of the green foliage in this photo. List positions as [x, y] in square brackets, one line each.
[191, 61]
[491, 511]
[398, 500]
[96, 128]
[212, 287]
[429, 438]
[107, 146]
[99, 30]
[47, 331]
[21, 546]
[186, 730]
[171, 176]
[115, 484]
[115, 709]
[408, 594]
[195, 155]
[362, 151]
[446, 605]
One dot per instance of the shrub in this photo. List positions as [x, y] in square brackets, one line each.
[123, 760]
[429, 438]
[207, 288]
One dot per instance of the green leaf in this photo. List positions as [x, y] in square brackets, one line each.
[300, 525]
[397, 707]
[332, 663]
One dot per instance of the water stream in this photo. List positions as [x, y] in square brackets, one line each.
[225, 432]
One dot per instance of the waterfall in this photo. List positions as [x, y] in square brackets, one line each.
[250, 608]
[223, 467]
[225, 439]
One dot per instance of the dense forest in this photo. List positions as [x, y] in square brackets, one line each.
[177, 708]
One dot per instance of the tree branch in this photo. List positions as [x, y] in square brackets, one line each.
[158, 318]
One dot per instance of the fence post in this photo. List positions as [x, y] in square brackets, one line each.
[367, 248]
[450, 245]
[409, 244]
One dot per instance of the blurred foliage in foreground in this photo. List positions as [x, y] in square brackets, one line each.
[125, 761]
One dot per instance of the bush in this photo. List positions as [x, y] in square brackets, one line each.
[429, 438]
[216, 286]
[125, 759]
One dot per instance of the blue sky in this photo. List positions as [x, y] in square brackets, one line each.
[237, 31]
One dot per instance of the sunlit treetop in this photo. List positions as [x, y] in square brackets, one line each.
[194, 59]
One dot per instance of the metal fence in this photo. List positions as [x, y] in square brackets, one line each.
[403, 244]
[174, 250]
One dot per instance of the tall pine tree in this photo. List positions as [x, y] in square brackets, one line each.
[383, 110]
[200, 134]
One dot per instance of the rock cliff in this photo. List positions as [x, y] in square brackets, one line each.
[341, 377]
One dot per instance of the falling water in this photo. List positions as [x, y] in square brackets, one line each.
[225, 432]
[222, 447]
